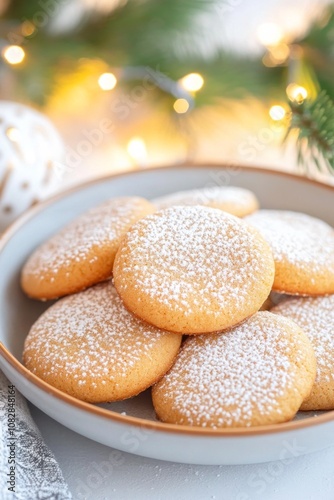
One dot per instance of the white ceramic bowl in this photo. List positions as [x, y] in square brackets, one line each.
[138, 432]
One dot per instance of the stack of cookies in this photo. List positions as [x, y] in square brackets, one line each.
[138, 277]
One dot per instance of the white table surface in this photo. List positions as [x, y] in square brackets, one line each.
[94, 473]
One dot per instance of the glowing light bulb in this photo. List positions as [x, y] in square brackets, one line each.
[28, 28]
[277, 112]
[107, 81]
[192, 82]
[137, 150]
[280, 53]
[269, 34]
[13, 134]
[268, 61]
[181, 106]
[13, 54]
[296, 93]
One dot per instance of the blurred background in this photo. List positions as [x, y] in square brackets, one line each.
[137, 83]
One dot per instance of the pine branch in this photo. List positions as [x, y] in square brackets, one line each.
[313, 121]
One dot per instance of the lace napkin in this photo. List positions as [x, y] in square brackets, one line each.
[28, 469]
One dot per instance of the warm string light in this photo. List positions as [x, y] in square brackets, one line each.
[296, 93]
[276, 55]
[270, 34]
[136, 149]
[13, 54]
[278, 52]
[181, 106]
[277, 112]
[28, 28]
[13, 134]
[107, 81]
[272, 37]
[192, 82]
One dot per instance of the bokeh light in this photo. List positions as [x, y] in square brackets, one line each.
[192, 82]
[13, 54]
[107, 81]
[181, 106]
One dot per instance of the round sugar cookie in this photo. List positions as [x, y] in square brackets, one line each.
[303, 249]
[89, 346]
[82, 253]
[315, 315]
[234, 200]
[255, 374]
[193, 270]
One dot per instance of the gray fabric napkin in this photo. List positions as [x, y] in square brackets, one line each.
[28, 469]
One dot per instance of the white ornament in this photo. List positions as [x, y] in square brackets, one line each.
[30, 148]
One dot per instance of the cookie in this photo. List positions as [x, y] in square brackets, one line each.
[303, 249]
[234, 200]
[255, 374]
[89, 346]
[83, 253]
[193, 270]
[315, 315]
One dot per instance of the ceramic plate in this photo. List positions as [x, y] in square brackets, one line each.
[131, 425]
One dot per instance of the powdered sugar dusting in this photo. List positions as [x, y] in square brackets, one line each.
[227, 197]
[195, 258]
[316, 317]
[298, 238]
[90, 337]
[96, 228]
[228, 378]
